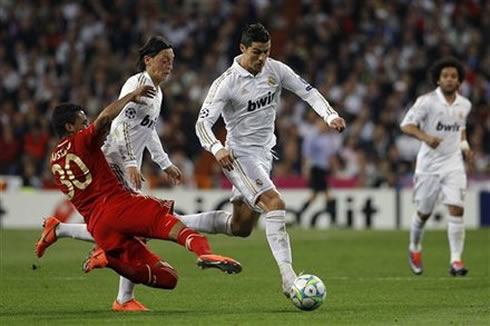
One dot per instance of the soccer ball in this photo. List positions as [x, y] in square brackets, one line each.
[308, 292]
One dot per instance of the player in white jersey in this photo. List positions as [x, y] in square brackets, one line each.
[131, 132]
[438, 119]
[247, 95]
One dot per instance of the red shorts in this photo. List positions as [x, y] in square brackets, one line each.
[128, 216]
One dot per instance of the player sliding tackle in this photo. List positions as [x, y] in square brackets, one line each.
[114, 216]
[132, 132]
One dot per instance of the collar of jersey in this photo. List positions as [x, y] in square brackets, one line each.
[443, 99]
[242, 71]
[147, 75]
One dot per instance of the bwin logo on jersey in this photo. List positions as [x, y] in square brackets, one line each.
[261, 102]
[443, 127]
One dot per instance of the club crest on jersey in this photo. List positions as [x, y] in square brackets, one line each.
[261, 102]
[130, 113]
[259, 182]
[271, 80]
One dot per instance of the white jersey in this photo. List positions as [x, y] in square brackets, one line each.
[436, 117]
[133, 129]
[248, 104]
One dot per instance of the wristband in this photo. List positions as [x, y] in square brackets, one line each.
[216, 147]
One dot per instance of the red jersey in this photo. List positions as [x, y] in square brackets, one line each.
[83, 174]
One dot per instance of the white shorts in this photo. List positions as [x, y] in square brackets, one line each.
[121, 173]
[428, 187]
[250, 175]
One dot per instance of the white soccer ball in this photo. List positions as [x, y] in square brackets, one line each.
[308, 292]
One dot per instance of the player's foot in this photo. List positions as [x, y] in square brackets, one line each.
[457, 269]
[287, 291]
[415, 260]
[48, 237]
[225, 264]
[131, 305]
[95, 259]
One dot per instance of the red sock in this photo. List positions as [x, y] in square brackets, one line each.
[188, 238]
[193, 241]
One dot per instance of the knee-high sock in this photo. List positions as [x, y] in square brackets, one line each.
[208, 222]
[76, 231]
[456, 235]
[416, 233]
[192, 240]
[278, 239]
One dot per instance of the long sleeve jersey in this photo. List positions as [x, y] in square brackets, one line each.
[133, 129]
[248, 105]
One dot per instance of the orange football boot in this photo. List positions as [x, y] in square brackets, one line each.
[131, 305]
[225, 264]
[48, 237]
[96, 259]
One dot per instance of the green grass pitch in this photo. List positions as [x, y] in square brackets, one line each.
[365, 272]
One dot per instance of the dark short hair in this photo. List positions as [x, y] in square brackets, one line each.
[152, 47]
[435, 70]
[254, 33]
[62, 114]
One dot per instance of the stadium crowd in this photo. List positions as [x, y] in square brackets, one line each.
[369, 58]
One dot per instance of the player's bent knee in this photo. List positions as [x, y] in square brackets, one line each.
[277, 204]
[164, 276]
[456, 210]
[423, 216]
[241, 230]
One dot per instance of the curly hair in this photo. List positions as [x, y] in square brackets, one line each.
[435, 70]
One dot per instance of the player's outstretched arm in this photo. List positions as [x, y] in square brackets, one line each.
[103, 121]
[413, 130]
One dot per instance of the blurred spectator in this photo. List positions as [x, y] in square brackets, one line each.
[368, 58]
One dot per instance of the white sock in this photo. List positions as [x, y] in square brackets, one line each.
[208, 222]
[75, 231]
[416, 233]
[126, 290]
[455, 234]
[275, 230]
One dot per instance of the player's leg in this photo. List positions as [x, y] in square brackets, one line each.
[426, 191]
[244, 218]
[53, 229]
[250, 178]
[135, 261]
[277, 236]
[125, 300]
[208, 222]
[155, 221]
[453, 188]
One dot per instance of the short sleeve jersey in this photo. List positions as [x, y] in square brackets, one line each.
[436, 117]
[82, 172]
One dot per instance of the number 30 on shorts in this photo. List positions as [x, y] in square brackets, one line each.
[68, 178]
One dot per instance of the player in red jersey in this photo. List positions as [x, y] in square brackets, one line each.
[114, 216]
